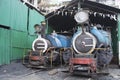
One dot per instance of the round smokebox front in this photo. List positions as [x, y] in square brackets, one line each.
[84, 43]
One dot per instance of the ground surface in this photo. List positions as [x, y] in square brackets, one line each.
[16, 71]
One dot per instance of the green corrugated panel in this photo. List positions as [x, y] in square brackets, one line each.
[18, 44]
[34, 18]
[4, 46]
[5, 12]
[19, 12]
[17, 53]
[30, 41]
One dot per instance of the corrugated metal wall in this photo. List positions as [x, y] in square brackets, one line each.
[16, 40]
[30, 39]
[4, 46]
[18, 17]
[34, 18]
[5, 10]
[18, 44]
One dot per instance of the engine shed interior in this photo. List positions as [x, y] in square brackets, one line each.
[63, 19]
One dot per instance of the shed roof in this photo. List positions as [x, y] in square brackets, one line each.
[86, 4]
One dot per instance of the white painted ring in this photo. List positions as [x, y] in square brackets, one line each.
[42, 39]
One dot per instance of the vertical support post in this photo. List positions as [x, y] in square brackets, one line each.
[79, 6]
[46, 27]
[28, 16]
[119, 38]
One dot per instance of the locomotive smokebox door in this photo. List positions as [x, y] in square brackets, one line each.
[84, 43]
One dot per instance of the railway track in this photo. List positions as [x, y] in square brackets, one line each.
[35, 74]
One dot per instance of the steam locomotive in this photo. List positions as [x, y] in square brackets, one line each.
[87, 50]
[92, 51]
[92, 48]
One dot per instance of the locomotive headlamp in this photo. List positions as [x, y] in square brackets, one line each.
[81, 17]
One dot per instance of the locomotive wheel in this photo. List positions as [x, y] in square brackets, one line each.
[54, 57]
